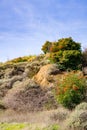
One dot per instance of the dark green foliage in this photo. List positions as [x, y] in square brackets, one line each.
[71, 59]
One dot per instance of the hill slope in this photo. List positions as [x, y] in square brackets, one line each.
[27, 85]
[26, 95]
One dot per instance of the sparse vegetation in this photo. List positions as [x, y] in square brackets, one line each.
[60, 114]
[22, 59]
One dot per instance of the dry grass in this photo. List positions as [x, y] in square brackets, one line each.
[31, 117]
[43, 119]
[40, 119]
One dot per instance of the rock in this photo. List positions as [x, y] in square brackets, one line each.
[45, 75]
[53, 70]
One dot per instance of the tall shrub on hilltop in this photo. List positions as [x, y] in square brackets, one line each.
[66, 53]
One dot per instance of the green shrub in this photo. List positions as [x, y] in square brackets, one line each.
[71, 59]
[65, 52]
[71, 90]
[67, 59]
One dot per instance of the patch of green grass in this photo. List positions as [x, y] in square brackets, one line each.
[52, 127]
[23, 126]
[12, 126]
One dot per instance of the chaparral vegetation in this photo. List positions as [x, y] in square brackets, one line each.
[45, 92]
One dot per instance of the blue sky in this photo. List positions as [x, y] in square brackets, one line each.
[25, 25]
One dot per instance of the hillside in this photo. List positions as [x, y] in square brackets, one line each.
[31, 82]
[28, 87]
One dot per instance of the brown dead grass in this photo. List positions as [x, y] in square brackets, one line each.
[40, 118]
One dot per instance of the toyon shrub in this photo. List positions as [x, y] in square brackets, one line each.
[71, 90]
